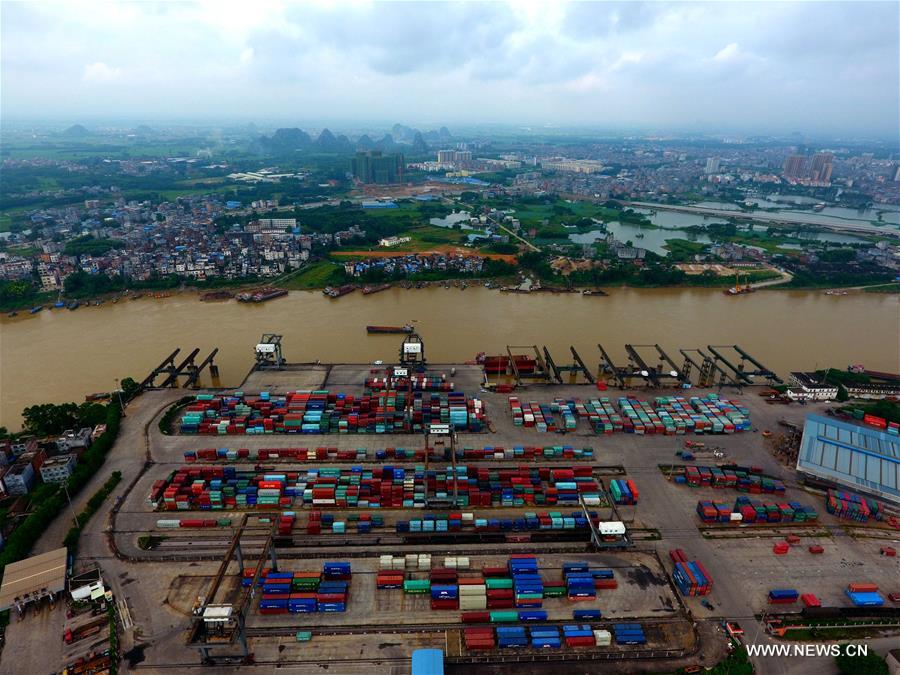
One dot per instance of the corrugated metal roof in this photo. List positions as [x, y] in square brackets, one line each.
[33, 575]
[850, 454]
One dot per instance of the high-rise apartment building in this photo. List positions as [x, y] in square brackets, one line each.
[795, 166]
[712, 165]
[374, 167]
[821, 166]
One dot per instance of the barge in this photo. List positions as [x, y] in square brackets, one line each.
[338, 292]
[368, 290]
[262, 294]
[378, 330]
[216, 295]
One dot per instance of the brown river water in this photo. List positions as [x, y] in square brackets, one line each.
[60, 355]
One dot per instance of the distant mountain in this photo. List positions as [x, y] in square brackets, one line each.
[386, 144]
[285, 141]
[419, 145]
[76, 131]
[403, 134]
[365, 143]
[327, 142]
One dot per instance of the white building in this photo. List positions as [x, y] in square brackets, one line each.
[393, 241]
[809, 389]
[71, 439]
[58, 469]
[19, 478]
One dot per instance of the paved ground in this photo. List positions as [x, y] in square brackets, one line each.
[159, 595]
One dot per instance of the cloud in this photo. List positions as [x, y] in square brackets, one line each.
[101, 73]
[660, 64]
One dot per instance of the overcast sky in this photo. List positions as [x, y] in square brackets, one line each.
[805, 66]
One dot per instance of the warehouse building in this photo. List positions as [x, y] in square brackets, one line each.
[860, 458]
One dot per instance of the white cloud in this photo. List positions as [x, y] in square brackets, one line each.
[99, 72]
[727, 53]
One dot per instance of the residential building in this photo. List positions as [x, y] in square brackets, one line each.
[821, 166]
[72, 439]
[58, 469]
[712, 165]
[375, 167]
[795, 167]
[19, 478]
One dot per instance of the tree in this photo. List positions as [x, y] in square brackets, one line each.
[869, 664]
[842, 394]
[129, 388]
[47, 419]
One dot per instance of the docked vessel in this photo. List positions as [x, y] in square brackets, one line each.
[333, 292]
[833, 291]
[594, 291]
[368, 290]
[216, 295]
[74, 305]
[36, 309]
[261, 294]
[376, 330]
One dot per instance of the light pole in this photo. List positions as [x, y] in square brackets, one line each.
[74, 515]
[119, 393]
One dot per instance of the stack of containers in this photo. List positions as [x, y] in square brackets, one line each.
[579, 581]
[578, 635]
[528, 588]
[782, 596]
[602, 638]
[472, 594]
[511, 636]
[479, 638]
[545, 637]
[334, 587]
[629, 634]
[498, 588]
[690, 576]
[864, 595]
[623, 491]
[852, 506]
[444, 588]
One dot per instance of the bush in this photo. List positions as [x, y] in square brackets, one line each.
[870, 664]
[165, 423]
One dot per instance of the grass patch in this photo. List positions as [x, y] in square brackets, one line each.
[884, 288]
[148, 542]
[314, 275]
[165, 424]
[836, 633]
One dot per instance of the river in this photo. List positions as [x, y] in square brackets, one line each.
[60, 355]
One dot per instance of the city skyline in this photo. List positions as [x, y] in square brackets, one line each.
[724, 67]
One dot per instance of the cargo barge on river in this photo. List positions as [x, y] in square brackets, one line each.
[262, 294]
[379, 330]
[368, 290]
[338, 292]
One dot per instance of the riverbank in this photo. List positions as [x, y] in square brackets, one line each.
[57, 356]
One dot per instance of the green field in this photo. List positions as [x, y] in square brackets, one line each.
[313, 275]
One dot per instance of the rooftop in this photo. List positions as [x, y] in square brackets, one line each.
[45, 572]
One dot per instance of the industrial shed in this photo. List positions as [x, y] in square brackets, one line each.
[853, 456]
[33, 579]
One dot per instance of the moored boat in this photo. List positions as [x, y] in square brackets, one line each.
[389, 329]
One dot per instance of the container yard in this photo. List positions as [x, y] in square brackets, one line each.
[469, 527]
